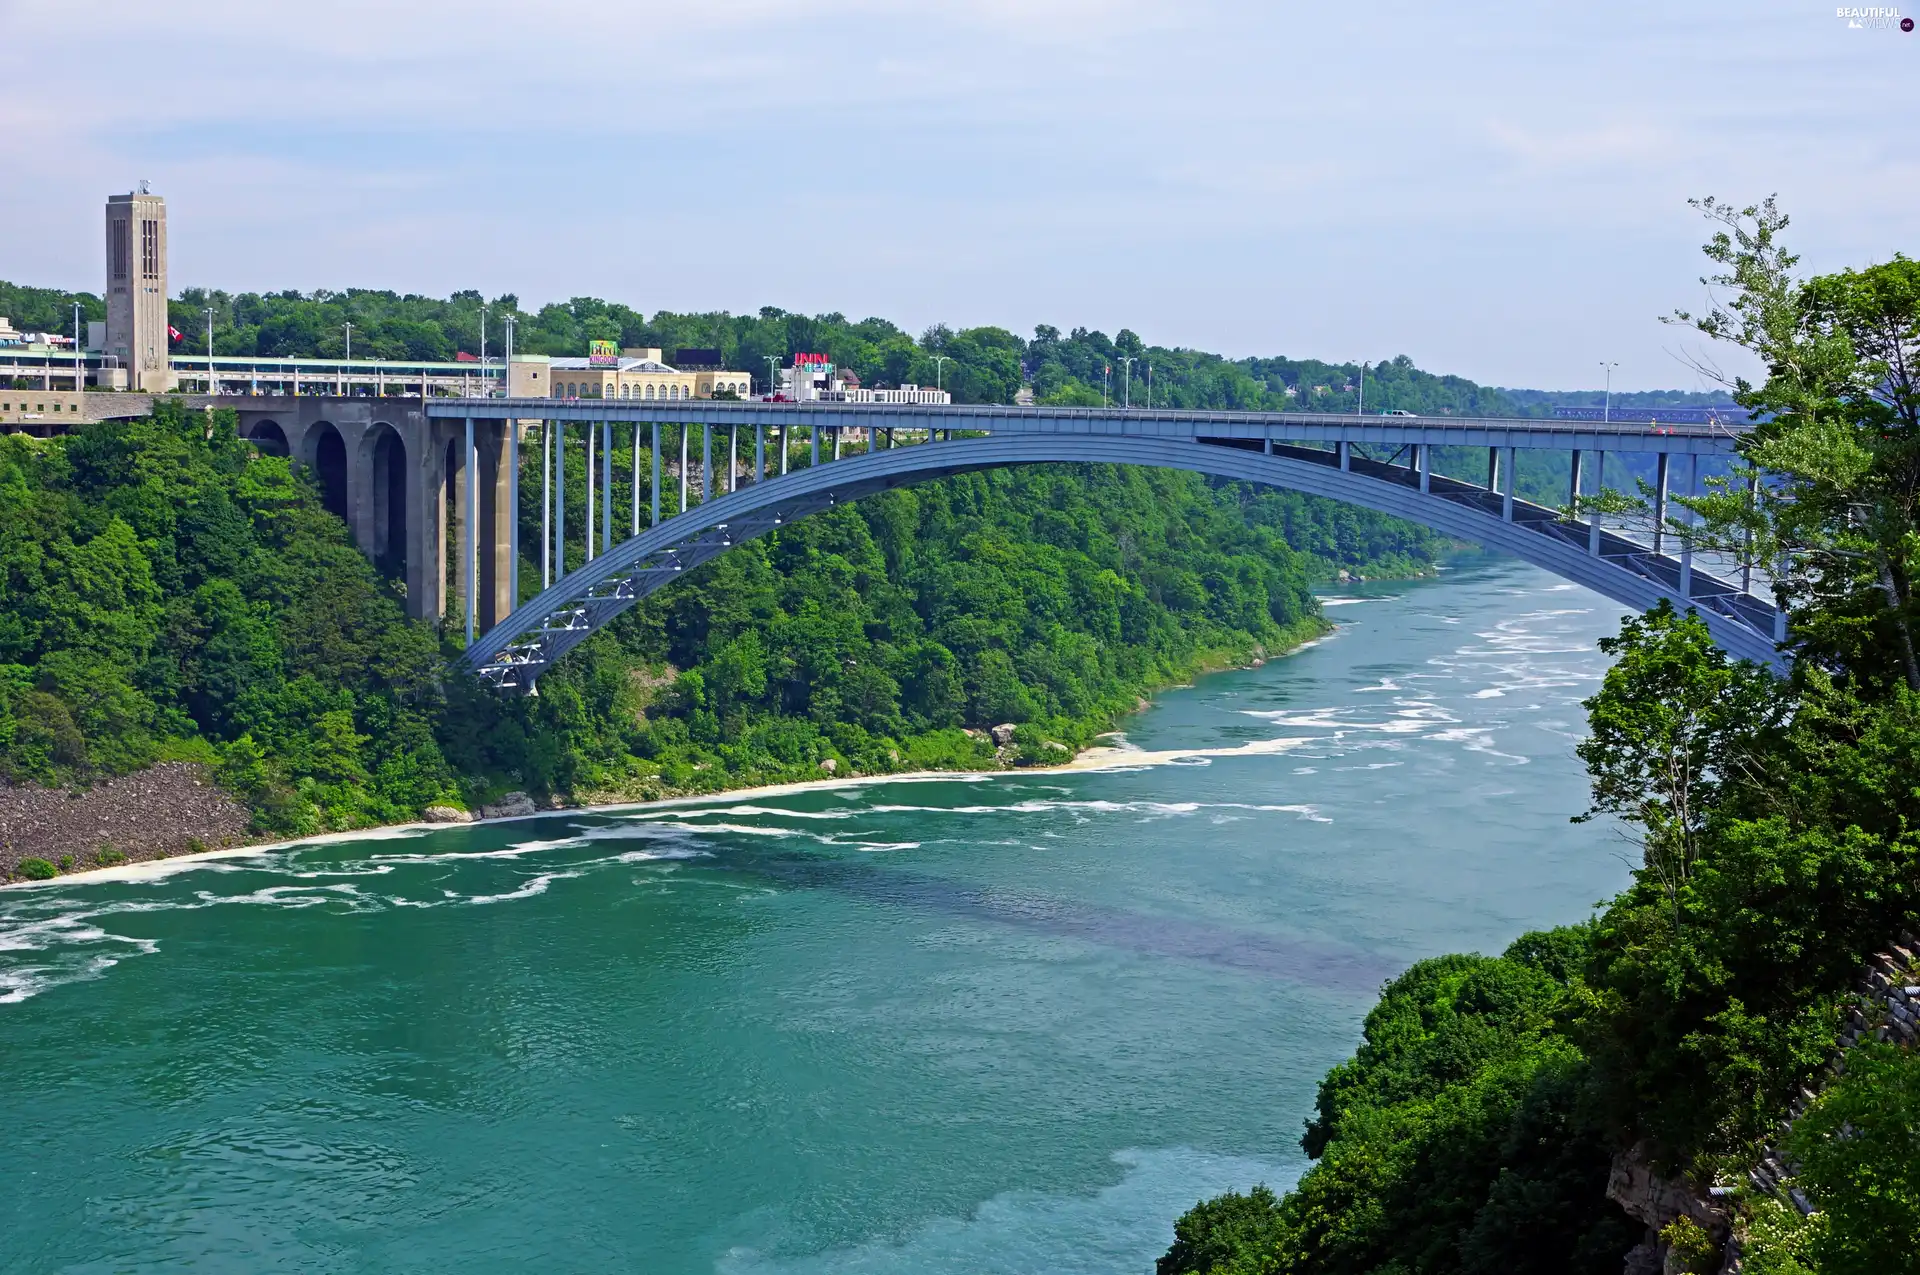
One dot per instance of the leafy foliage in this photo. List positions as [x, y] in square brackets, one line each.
[1858, 1148]
[1777, 818]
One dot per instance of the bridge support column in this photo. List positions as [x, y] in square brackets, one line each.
[470, 548]
[1493, 469]
[836, 442]
[634, 500]
[1506, 496]
[1686, 537]
[606, 486]
[813, 436]
[873, 439]
[785, 441]
[1345, 451]
[1659, 501]
[587, 531]
[546, 504]
[656, 475]
[495, 551]
[759, 452]
[513, 519]
[559, 501]
[733, 459]
[1593, 517]
[684, 435]
[1266, 446]
[1573, 484]
[1746, 556]
[1423, 465]
[706, 463]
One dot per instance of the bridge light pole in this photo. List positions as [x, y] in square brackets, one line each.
[1126, 380]
[213, 386]
[772, 380]
[1606, 411]
[506, 376]
[1360, 408]
[940, 362]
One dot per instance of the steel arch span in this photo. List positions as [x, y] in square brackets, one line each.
[513, 654]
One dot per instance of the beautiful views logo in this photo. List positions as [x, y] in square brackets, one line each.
[1872, 18]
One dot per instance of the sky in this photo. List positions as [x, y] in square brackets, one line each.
[1497, 190]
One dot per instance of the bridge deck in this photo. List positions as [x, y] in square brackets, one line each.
[1319, 427]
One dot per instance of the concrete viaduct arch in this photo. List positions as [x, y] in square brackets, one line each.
[512, 652]
[397, 478]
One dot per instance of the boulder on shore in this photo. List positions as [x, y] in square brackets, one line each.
[445, 814]
[829, 766]
[1003, 734]
[513, 805]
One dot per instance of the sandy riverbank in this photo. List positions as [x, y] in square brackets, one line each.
[1116, 754]
[1105, 756]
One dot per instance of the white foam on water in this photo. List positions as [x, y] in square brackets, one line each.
[62, 938]
[535, 886]
[475, 856]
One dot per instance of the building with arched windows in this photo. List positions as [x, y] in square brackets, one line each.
[636, 374]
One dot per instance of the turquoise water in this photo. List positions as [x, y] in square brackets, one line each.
[1012, 1024]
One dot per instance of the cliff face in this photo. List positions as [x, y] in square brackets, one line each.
[1657, 1203]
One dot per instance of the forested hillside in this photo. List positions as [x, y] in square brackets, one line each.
[168, 593]
[1476, 1128]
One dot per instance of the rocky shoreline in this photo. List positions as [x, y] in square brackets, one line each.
[168, 809]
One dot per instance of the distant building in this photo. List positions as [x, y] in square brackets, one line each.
[812, 379]
[137, 289]
[635, 374]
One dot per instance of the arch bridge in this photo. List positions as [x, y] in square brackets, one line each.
[828, 453]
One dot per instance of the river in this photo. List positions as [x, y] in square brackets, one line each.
[1008, 1024]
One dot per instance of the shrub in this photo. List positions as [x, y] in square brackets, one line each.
[37, 870]
[107, 855]
[66, 863]
[1691, 1247]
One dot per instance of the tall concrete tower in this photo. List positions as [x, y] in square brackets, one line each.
[137, 288]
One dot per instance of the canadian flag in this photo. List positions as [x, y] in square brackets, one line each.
[174, 332]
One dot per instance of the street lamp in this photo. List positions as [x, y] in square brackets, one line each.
[79, 377]
[1126, 380]
[508, 392]
[483, 355]
[1149, 387]
[940, 362]
[1106, 377]
[213, 386]
[1360, 408]
[1606, 412]
[773, 361]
